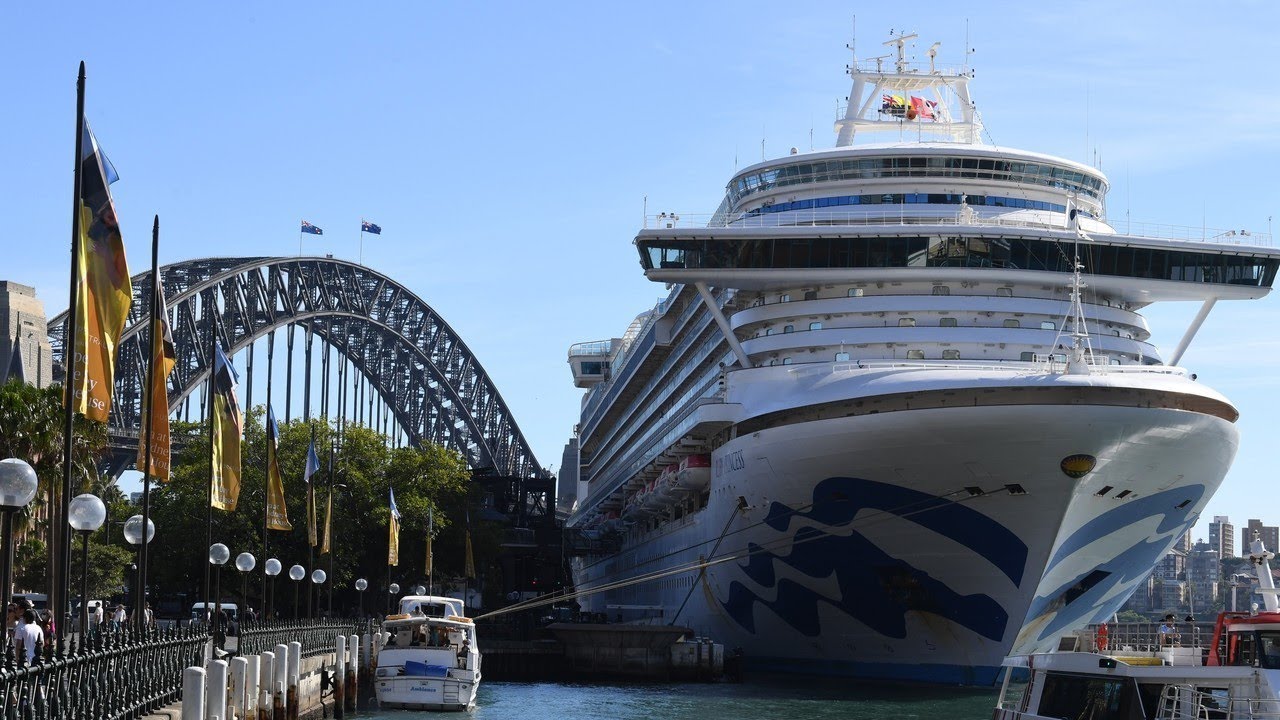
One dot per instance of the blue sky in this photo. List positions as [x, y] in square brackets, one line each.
[506, 149]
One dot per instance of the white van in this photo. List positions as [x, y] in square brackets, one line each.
[199, 612]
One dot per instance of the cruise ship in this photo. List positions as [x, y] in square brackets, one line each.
[900, 413]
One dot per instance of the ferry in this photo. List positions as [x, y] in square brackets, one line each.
[1161, 675]
[431, 660]
[900, 413]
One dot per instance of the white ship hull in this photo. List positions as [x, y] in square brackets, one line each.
[923, 544]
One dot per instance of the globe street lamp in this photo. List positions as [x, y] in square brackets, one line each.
[133, 536]
[245, 562]
[419, 590]
[218, 556]
[392, 591]
[317, 579]
[296, 573]
[272, 569]
[18, 485]
[361, 586]
[86, 513]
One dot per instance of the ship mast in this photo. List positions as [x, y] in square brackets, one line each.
[930, 103]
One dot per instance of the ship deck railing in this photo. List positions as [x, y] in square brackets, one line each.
[826, 218]
[1185, 701]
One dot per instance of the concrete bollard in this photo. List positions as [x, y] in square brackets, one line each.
[266, 673]
[339, 678]
[280, 681]
[193, 693]
[238, 672]
[292, 698]
[251, 688]
[353, 662]
[215, 689]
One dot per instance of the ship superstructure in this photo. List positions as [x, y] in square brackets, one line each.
[900, 414]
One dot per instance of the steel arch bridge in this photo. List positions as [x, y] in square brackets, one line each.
[421, 369]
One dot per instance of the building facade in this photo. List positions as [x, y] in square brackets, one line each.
[23, 325]
[1222, 536]
[1270, 535]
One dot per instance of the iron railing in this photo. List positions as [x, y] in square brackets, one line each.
[127, 673]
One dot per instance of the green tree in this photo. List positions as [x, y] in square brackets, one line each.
[31, 428]
[431, 479]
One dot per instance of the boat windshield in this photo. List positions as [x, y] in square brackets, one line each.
[1269, 649]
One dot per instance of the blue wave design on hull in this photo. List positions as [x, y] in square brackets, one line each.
[876, 589]
[1077, 605]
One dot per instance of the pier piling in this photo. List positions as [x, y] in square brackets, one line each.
[339, 678]
[215, 689]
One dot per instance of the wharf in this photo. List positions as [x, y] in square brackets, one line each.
[582, 651]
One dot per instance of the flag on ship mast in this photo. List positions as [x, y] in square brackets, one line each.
[103, 289]
[393, 528]
[277, 513]
[163, 358]
[227, 429]
[312, 468]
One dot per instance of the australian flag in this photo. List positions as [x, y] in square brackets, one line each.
[312, 229]
[369, 227]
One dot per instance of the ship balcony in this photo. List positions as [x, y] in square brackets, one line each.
[589, 362]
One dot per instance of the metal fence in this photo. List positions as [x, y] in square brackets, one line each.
[128, 673]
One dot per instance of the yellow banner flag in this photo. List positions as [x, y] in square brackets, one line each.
[103, 292]
[228, 427]
[163, 358]
[277, 513]
[469, 569]
[393, 528]
[328, 518]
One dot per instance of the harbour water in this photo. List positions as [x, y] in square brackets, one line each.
[756, 700]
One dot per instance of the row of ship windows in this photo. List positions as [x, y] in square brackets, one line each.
[955, 252]
[913, 199]
[888, 167]
[911, 322]
[859, 292]
[946, 355]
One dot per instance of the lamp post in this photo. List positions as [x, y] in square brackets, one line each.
[272, 569]
[18, 485]
[317, 579]
[218, 556]
[296, 573]
[392, 590]
[134, 536]
[86, 514]
[245, 562]
[361, 586]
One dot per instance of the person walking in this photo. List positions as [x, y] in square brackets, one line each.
[28, 639]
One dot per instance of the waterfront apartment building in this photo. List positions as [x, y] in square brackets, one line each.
[23, 325]
[1222, 536]
[1270, 535]
[1204, 574]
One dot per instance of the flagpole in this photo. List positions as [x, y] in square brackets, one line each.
[144, 559]
[62, 553]
[361, 261]
[328, 527]
[213, 370]
[266, 494]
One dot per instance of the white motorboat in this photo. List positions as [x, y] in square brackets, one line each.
[1167, 674]
[431, 660]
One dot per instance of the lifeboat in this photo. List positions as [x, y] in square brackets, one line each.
[694, 473]
[652, 500]
[613, 522]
